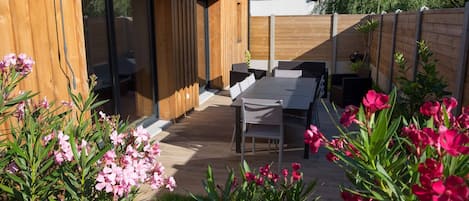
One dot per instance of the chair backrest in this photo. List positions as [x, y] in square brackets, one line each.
[251, 79]
[321, 88]
[244, 84]
[235, 90]
[240, 67]
[262, 111]
[309, 68]
[288, 73]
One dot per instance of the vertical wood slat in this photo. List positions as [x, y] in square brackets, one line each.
[393, 49]
[463, 59]
[418, 37]
[378, 49]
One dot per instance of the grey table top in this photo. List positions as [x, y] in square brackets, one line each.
[296, 93]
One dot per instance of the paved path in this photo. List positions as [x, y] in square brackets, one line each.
[203, 138]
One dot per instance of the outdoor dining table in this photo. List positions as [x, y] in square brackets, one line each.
[296, 94]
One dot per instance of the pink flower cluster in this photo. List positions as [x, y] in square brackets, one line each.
[433, 186]
[453, 141]
[135, 166]
[22, 106]
[265, 174]
[22, 64]
[64, 153]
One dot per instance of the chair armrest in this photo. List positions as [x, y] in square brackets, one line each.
[337, 79]
[237, 77]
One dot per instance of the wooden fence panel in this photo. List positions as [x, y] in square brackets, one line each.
[405, 41]
[303, 37]
[259, 38]
[442, 30]
[349, 39]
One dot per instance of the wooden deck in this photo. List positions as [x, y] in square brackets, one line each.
[203, 138]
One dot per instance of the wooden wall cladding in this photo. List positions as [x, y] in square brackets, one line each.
[228, 38]
[176, 57]
[35, 28]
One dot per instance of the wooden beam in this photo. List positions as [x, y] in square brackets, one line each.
[463, 56]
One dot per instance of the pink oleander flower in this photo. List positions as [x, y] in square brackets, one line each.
[117, 139]
[296, 175]
[65, 150]
[152, 149]
[430, 109]
[374, 101]
[12, 168]
[170, 183]
[20, 110]
[48, 138]
[44, 103]
[68, 104]
[314, 138]
[450, 103]
[331, 157]
[463, 119]
[264, 171]
[454, 188]
[452, 142]
[249, 176]
[109, 157]
[9, 59]
[273, 177]
[348, 196]
[431, 168]
[259, 181]
[421, 138]
[24, 64]
[295, 166]
[349, 115]
[141, 135]
[285, 172]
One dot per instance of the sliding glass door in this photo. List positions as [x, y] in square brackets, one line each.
[120, 51]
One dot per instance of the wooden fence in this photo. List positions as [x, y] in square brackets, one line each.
[329, 38]
[444, 32]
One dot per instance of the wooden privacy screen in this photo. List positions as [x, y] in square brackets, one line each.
[35, 28]
[441, 29]
[306, 37]
[176, 57]
[228, 38]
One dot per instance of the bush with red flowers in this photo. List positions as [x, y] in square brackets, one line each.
[259, 185]
[401, 159]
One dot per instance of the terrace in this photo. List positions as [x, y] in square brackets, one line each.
[161, 73]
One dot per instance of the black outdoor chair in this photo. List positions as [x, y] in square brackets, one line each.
[349, 89]
[309, 69]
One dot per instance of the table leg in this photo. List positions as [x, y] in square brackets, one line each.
[238, 129]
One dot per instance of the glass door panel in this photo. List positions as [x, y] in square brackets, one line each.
[97, 54]
[132, 30]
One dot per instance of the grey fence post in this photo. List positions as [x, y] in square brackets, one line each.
[271, 45]
[334, 21]
[378, 49]
[462, 63]
[418, 37]
[393, 49]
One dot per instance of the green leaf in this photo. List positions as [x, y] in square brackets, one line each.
[6, 189]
